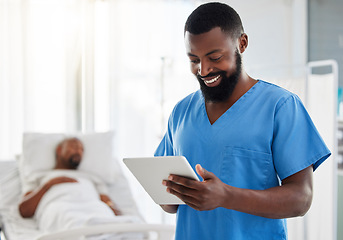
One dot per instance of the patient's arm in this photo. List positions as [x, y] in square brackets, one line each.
[28, 205]
[106, 199]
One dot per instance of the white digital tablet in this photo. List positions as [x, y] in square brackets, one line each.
[151, 171]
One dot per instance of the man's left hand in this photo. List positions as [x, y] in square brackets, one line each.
[106, 199]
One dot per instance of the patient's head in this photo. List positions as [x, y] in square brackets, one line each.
[69, 154]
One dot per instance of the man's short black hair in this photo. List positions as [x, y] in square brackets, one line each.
[214, 14]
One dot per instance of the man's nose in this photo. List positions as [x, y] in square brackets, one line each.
[79, 151]
[204, 68]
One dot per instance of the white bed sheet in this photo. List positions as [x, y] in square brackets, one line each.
[18, 228]
[15, 227]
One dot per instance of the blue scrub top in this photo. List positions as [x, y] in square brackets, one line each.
[265, 136]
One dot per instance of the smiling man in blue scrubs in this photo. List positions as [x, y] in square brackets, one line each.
[252, 142]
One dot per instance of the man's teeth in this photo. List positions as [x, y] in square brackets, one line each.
[212, 80]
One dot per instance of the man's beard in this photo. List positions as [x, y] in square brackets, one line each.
[74, 161]
[223, 91]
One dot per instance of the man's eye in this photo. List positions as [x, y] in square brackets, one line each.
[214, 59]
[195, 61]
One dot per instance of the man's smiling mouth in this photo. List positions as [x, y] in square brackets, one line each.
[212, 80]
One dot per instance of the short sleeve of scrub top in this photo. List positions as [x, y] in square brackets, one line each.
[165, 147]
[295, 138]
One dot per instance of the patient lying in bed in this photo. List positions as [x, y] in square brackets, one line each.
[64, 198]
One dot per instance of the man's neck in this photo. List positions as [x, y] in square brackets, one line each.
[216, 109]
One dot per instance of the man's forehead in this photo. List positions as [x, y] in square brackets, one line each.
[72, 141]
[212, 41]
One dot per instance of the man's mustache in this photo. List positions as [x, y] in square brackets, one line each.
[74, 160]
[211, 74]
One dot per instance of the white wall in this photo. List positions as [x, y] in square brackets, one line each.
[277, 32]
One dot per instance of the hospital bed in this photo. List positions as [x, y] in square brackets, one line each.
[37, 147]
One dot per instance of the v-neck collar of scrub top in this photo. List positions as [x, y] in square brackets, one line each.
[227, 117]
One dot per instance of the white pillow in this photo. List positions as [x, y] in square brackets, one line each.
[39, 154]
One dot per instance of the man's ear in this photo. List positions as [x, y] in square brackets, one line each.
[243, 42]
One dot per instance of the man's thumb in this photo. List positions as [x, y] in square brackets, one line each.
[203, 172]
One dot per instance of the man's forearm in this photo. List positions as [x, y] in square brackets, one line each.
[277, 202]
[106, 199]
[292, 199]
[28, 206]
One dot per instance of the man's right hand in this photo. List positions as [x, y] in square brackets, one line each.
[59, 180]
[28, 205]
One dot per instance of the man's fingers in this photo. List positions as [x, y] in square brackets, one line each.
[187, 182]
[203, 172]
[62, 180]
[181, 189]
[188, 199]
[68, 179]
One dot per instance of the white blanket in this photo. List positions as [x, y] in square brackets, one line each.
[71, 205]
